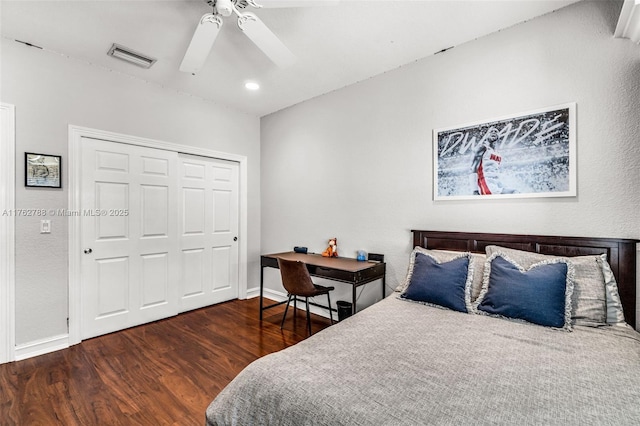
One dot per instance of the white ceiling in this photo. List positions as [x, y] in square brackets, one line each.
[335, 45]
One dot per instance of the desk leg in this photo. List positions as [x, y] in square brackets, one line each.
[353, 300]
[261, 289]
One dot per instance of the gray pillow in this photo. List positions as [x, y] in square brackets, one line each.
[589, 299]
[615, 314]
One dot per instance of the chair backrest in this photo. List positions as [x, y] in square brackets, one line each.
[295, 277]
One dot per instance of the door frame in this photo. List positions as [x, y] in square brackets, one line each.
[7, 229]
[76, 133]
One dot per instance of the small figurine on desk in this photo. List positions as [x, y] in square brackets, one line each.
[332, 250]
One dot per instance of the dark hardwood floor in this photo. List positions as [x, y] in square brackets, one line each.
[162, 373]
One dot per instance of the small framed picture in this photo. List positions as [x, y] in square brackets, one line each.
[42, 170]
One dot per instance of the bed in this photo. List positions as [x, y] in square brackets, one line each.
[413, 362]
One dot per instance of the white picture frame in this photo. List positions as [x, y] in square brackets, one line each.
[523, 155]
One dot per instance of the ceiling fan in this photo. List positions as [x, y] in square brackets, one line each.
[210, 24]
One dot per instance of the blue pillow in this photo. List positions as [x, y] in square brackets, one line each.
[443, 284]
[538, 295]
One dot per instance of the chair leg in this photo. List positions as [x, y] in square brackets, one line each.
[308, 315]
[330, 311]
[285, 312]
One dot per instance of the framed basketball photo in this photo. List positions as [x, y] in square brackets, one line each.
[530, 154]
[42, 170]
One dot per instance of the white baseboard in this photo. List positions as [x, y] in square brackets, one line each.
[278, 296]
[253, 292]
[41, 347]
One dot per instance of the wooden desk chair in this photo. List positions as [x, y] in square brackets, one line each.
[297, 281]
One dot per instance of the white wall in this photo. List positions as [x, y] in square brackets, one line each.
[357, 163]
[50, 92]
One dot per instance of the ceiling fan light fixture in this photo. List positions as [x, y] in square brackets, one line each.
[224, 7]
[131, 56]
[252, 27]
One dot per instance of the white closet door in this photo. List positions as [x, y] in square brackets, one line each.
[209, 209]
[130, 269]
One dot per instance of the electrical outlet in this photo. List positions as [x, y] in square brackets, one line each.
[45, 226]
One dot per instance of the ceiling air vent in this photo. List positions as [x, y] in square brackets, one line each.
[126, 54]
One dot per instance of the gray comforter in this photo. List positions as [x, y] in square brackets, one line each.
[399, 362]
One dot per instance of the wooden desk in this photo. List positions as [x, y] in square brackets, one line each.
[342, 269]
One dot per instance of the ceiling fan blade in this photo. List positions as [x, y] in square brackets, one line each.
[201, 43]
[296, 3]
[266, 41]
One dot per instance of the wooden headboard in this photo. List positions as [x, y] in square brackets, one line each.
[621, 253]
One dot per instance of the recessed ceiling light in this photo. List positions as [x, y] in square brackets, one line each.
[251, 85]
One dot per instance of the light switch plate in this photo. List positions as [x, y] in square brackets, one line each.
[45, 226]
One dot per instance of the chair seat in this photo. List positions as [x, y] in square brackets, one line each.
[317, 291]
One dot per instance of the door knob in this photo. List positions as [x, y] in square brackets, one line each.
[88, 251]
